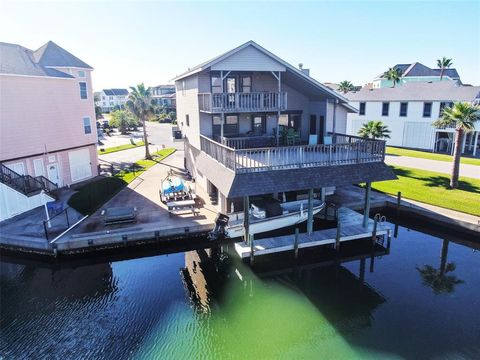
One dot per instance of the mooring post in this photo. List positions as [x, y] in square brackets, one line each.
[295, 243]
[389, 239]
[337, 239]
[366, 208]
[374, 231]
[252, 250]
[399, 200]
[310, 212]
[246, 222]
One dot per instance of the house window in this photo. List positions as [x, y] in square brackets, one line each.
[229, 128]
[216, 84]
[246, 84]
[183, 87]
[385, 107]
[427, 109]
[87, 127]
[362, 109]
[187, 119]
[83, 90]
[258, 125]
[443, 105]
[81, 74]
[403, 109]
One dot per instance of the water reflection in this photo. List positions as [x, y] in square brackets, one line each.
[441, 280]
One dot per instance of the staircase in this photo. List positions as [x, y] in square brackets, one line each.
[27, 184]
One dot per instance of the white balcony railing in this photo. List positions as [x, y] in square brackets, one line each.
[242, 102]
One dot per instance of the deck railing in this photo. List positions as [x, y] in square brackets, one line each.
[346, 150]
[242, 102]
[247, 142]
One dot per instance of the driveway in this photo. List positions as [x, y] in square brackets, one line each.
[467, 170]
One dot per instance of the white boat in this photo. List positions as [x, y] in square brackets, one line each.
[260, 220]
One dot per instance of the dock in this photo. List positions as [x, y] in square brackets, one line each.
[351, 229]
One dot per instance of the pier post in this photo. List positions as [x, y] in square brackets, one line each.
[310, 212]
[246, 224]
[366, 208]
[252, 250]
[399, 200]
[374, 231]
[322, 194]
[337, 238]
[295, 244]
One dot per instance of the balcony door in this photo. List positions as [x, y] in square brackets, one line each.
[231, 89]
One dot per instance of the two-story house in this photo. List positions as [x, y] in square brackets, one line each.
[254, 124]
[409, 111]
[110, 99]
[48, 135]
[164, 95]
[416, 72]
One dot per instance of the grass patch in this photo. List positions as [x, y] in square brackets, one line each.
[119, 148]
[432, 188]
[93, 195]
[429, 155]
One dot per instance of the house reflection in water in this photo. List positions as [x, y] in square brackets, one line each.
[343, 297]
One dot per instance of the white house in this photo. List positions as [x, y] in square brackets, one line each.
[164, 95]
[254, 125]
[109, 99]
[409, 111]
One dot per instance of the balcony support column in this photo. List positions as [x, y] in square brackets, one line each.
[366, 208]
[279, 82]
[475, 143]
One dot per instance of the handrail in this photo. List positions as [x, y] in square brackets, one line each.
[355, 150]
[253, 101]
[26, 184]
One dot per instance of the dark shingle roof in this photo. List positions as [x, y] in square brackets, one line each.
[417, 69]
[51, 54]
[113, 92]
[15, 59]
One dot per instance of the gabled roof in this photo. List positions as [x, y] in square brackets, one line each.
[449, 90]
[115, 92]
[18, 60]
[418, 69]
[51, 54]
[292, 69]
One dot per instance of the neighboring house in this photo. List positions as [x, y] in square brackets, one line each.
[409, 112]
[48, 134]
[164, 95]
[416, 72]
[109, 99]
[254, 124]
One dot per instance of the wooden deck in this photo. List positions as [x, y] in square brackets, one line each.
[351, 229]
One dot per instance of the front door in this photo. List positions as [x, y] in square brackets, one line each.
[38, 167]
[53, 174]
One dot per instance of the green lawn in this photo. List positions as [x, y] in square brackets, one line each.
[432, 188]
[429, 155]
[93, 195]
[120, 148]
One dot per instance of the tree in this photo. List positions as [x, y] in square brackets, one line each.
[440, 280]
[123, 120]
[463, 116]
[140, 104]
[374, 130]
[443, 64]
[393, 74]
[98, 109]
[345, 86]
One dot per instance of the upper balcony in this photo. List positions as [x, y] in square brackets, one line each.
[240, 102]
[244, 155]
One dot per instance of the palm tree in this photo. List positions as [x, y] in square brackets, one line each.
[140, 104]
[374, 130]
[443, 64]
[345, 86]
[393, 74]
[463, 115]
[438, 279]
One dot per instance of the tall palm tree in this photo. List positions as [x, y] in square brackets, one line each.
[140, 105]
[463, 116]
[394, 75]
[374, 130]
[345, 86]
[443, 64]
[440, 280]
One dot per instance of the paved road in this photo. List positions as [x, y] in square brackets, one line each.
[472, 171]
[158, 135]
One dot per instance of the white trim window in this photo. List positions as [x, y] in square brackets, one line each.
[81, 74]
[83, 90]
[87, 125]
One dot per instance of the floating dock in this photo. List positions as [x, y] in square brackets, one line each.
[351, 228]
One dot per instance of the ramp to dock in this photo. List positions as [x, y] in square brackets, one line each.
[351, 229]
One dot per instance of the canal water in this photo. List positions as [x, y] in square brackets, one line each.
[419, 299]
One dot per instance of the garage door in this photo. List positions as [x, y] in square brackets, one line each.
[417, 135]
[80, 167]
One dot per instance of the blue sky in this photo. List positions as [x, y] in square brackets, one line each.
[128, 42]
